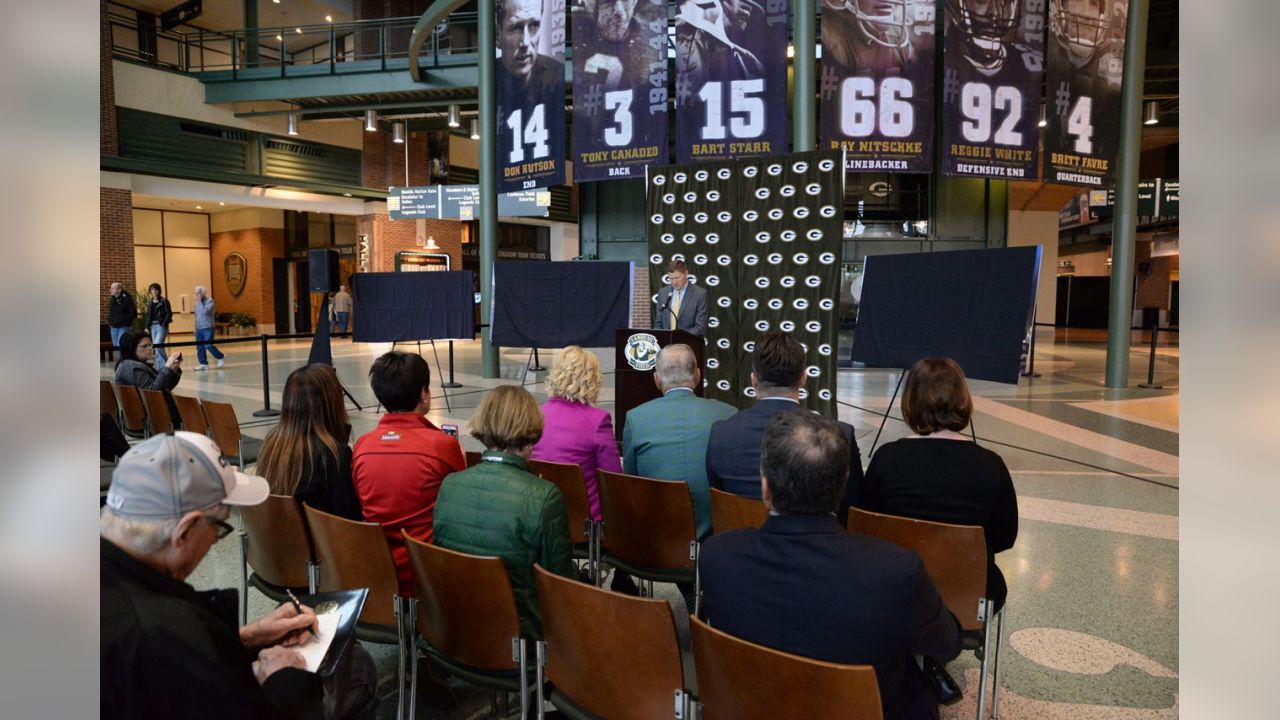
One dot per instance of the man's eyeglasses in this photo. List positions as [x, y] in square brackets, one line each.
[224, 528]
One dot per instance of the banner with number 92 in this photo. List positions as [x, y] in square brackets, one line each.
[731, 78]
[531, 113]
[619, 87]
[876, 87]
[1082, 97]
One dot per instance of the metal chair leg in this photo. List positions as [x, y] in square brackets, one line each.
[313, 577]
[982, 672]
[697, 579]
[244, 574]
[398, 603]
[413, 660]
[540, 676]
[995, 671]
[524, 678]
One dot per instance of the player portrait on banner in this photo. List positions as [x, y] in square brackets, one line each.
[876, 88]
[619, 87]
[731, 78]
[993, 65]
[531, 112]
[1086, 66]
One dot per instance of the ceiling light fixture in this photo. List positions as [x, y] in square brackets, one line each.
[328, 18]
[199, 208]
[298, 30]
[222, 204]
[475, 128]
[280, 38]
[455, 116]
[397, 132]
[1151, 113]
[1044, 117]
[293, 123]
[370, 120]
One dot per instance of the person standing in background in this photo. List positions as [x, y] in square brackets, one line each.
[159, 315]
[120, 314]
[204, 330]
[342, 308]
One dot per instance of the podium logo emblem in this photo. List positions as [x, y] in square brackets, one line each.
[642, 351]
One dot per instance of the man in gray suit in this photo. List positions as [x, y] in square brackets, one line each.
[682, 305]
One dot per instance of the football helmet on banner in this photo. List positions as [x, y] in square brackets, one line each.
[1081, 26]
[985, 25]
[887, 22]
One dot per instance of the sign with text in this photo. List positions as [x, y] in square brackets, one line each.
[876, 87]
[531, 112]
[992, 68]
[731, 78]
[1082, 97]
[461, 202]
[619, 87]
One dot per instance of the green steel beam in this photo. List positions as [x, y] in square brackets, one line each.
[439, 10]
[1125, 219]
[303, 82]
[488, 180]
[803, 103]
[250, 37]
[112, 163]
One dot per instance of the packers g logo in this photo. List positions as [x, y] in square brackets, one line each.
[641, 351]
[668, 238]
[775, 214]
[749, 346]
[787, 235]
[700, 217]
[724, 302]
[750, 215]
[689, 238]
[750, 171]
[678, 218]
[699, 259]
[775, 169]
[787, 281]
[713, 280]
[701, 176]
[787, 190]
[775, 258]
[669, 198]
[799, 167]
[690, 196]
[813, 371]
[775, 304]
[656, 259]
[679, 177]
[712, 321]
[659, 180]
[825, 394]
[826, 165]
[749, 392]
[713, 238]
[713, 195]
[656, 219]
[827, 211]
[723, 385]
[723, 343]
[724, 173]
[786, 326]
[712, 363]
[762, 325]
[724, 216]
[804, 393]
[763, 236]
[813, 188]
[801, 212]
[762, 193]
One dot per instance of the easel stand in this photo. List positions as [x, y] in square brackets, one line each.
[887, 410]
[531, 366]
[347, 392]
[439, 372]
[451, 384]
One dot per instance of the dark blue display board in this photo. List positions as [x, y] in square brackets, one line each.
[408, 306]
[973, 306]
[556, 304]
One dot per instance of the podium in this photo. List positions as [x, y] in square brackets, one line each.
[635, 355]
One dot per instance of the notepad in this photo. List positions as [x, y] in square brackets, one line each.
[314, 650]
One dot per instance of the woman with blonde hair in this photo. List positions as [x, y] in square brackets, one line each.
[307, 454]
[500, 508]
[575, 431]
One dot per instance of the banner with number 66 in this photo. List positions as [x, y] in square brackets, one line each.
[531, 113]
[619, 87]
[876, 88]
[731, 78]
[992, 69]
[1082, 98]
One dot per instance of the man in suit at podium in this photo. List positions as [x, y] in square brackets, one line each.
[681, 305]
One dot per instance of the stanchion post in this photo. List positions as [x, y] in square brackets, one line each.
[267, 410]
[451, 384]
[1150, 384]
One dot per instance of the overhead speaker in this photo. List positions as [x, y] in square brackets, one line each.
[323, 269]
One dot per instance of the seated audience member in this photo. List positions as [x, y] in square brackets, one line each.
[307, 454]
[398, 466]
[940, 475]
[666, 438]
[733, 451]
[803, 585]
[573, 431]
[135, 368]
[500, 508]
[169, 651]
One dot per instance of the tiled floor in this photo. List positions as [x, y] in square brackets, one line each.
[1091, 627]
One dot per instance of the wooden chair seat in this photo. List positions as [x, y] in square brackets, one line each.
[275, 544]
[133, 412]
[649, 528]
[472, 457]
[573, 487]
[731, 512]
[159, 419]
[741, 680]
[107, 400]
[354, 555]
[192, 414]
[225, 427]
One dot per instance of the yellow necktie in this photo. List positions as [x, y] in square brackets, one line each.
[675, 308]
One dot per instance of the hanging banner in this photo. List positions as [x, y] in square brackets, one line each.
[731, 78]
[1086, 64]
[531, 112]
[619, 87]
[992, 68]
[876, 88]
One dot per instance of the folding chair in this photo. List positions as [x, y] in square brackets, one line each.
[192, 414]
[237, 448]
[274, 542]
[159, 419]
[730, 512]
[568, 478]
[648, 529]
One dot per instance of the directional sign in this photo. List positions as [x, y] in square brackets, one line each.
[462, 202]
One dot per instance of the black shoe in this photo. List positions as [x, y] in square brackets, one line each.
[944, 686]
[433, 693]
[622, 583]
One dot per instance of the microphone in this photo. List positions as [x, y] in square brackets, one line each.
[663, 310]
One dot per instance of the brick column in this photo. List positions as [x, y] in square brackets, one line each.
[115, 255]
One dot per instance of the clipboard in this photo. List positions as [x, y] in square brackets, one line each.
[350, 605]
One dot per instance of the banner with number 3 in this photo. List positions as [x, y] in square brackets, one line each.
[731, 78]
[531, 113]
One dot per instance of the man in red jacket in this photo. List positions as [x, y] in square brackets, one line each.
[398, 467]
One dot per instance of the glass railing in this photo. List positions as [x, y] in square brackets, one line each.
[340, 46]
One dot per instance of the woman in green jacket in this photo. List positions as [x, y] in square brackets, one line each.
[500, 508]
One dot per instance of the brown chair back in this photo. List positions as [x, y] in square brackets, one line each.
[473, 458]
[225, 427]
[158, 417]
[954, 555]
[573, 487]
[647, 523]
[730, 512]
[279, 547]
[465, 606]
[355, 555]
[614, 655]
[192, 414]
[745, 681]
[135, 413]
[107, 398]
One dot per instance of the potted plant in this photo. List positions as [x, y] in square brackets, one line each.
[243, 322]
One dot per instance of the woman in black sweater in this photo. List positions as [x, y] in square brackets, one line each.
[307, 454]
[159, 316]
[939, 474]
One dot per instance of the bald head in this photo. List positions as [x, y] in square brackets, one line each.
[677, 366]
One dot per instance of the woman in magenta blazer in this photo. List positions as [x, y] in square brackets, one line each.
[574, 431]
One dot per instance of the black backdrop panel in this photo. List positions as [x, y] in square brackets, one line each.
[408, 306]
[556, 304]
[972, 305]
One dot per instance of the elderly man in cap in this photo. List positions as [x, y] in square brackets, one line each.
[170, 651]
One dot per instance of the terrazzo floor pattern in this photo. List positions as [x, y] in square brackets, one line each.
[1091, 626]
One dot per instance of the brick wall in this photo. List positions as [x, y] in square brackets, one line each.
[641, 313]
[108, 133]
[259, 246]
[373, 160]
[382, 161]
[115, 237]
[388, 237]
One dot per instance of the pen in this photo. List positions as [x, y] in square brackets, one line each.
[298, 607]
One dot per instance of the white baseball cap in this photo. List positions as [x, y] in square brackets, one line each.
[168, 476]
